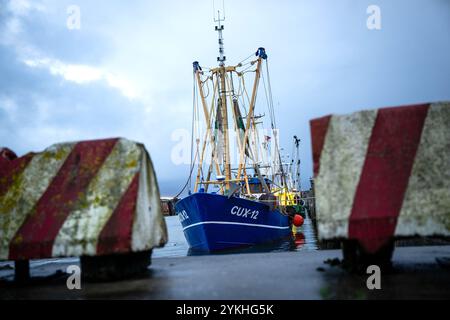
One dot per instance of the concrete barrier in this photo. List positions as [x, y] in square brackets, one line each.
[88, 198]
[383, 173]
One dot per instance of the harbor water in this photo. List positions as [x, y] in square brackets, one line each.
[304, 239]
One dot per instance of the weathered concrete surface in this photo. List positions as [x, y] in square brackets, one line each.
[429, 184]
[341, 162]
[383, 174]
[87, 198]
[284, 275]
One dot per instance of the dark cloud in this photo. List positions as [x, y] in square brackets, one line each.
[44, 100]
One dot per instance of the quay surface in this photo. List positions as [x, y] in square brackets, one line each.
[276, 275]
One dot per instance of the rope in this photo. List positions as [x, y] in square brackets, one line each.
[194, 100]
[189, 179]
[192, 128]
[246, 69]
[246, 93]
[270, 91]
[247, 58]
[267, 101]
[207, 86]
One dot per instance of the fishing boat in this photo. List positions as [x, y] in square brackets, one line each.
[241, 203]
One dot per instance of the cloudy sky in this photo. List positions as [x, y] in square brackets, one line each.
[128, 70]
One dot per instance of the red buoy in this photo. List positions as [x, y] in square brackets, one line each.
[298, 220]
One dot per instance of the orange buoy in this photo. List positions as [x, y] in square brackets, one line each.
[298, 220]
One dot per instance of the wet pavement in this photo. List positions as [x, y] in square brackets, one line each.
[274, 275]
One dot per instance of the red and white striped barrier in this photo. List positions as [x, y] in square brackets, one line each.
[83, 198]
[383, 173]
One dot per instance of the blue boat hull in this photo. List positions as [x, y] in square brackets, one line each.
[213, 222]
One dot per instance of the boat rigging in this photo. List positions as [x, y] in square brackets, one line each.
[253, 203]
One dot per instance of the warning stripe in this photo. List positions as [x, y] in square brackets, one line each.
[341, 163]
[319, 128]
[116, 235]
[79, 235]
[384, 178]
[426, 205]
[11, 170]
[25, 191]
[36, 236]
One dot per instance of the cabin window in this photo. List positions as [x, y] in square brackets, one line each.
[256, 188]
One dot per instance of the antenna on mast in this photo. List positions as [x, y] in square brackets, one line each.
[219, 17]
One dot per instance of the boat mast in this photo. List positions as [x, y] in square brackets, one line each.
[297, 184]
[223, 98]
[218, 112]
